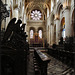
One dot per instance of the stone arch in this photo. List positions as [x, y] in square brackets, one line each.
[37, 6]
[40, 28]
[59, 8]
[31, 3]
[32, 29]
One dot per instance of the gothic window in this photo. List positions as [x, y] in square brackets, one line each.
[31, 33]
[36, 15]
[40, 33]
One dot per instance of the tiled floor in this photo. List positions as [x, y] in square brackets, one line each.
[56, 67]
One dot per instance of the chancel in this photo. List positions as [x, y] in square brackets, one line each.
[37, 37]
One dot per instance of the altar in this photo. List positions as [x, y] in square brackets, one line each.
[36, 41]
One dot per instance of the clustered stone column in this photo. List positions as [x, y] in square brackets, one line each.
[49, 34]
[57, 30]
[52, 33]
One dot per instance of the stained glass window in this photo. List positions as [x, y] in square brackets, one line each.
[36, 15]
[63, 32]
[31, 33]
[40, 33]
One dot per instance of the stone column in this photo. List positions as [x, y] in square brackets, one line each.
[29, 17]
[57, 30]
[36, 30]
[52, 33]
[49, 35]
[68, 27]
[28, 33]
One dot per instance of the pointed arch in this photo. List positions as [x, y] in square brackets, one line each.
[59, 8]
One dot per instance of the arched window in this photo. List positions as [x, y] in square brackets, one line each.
[31, 33]
[63, 33]
[40, 33]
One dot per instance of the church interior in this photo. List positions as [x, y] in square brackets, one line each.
[37, 37]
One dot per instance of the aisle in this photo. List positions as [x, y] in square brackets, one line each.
[30, 68]
[56, 67]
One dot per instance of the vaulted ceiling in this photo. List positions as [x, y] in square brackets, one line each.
[37, 0]
[37, 4]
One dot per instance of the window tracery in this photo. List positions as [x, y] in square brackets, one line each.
[36, 15]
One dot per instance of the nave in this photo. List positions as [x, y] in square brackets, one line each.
[18, 58]
[37, 37]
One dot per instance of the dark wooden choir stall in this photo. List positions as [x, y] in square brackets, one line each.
[41, 61]
[64, 52]
[14, 49]
[3, 14]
